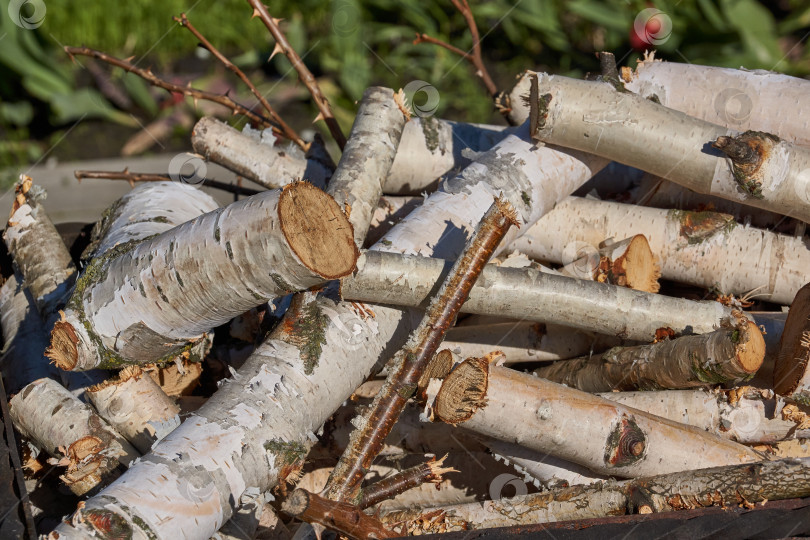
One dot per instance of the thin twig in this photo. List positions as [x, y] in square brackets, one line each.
[410, 362]
[304, 75]
[288, 132]
[390, 487]
[133, 177]
[338, 516]
[147, 75]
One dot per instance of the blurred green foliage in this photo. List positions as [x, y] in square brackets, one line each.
[351, 44]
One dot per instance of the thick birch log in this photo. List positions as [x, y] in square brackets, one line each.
[719, 486]
[731, 354]
[736, 98]
[63, 426]
[38, 251]
[791, 374]
[627, 263]
[136, 407]
[367, 157]
[547, 417]
[262, 162]
[200, 275]
[762, 170]
[699, 248]
[528, 294]
[525, 341]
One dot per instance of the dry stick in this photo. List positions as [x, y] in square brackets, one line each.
[720, 486]
[133, 177]
[286, 130]
[367, 157]
[270, 166]
[387, 488]
[699, 248]
[144, 303]
[408, 364]
[791, 374]
[761, 170]
[533, 295]
[548, 417]
[342, 517]
[304, 75]
[63, 426]
[154, 80]
[731, 354]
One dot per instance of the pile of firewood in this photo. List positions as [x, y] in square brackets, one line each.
[340, 351]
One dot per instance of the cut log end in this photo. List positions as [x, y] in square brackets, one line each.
[751, 349]
[789, 373]
[641, 269]
[317, 230]
[129, 372]
[463, 391]
[63, 350]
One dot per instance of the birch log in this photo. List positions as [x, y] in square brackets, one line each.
[718, 486]
[731, 354]
[367, 157]
[136, 407]
[38, 251]
[627, 263]
[547, 417]
[699, 248]
[63, 426]
[791, 374]
[761, 169]
[200, 275]
[390, 211]
[528, 294]
[737, 98]
[262, 162]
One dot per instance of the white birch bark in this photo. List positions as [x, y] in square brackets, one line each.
[594, 117]
[528, 294]
[145, 303]
[606, 437]
[390, 210]
[136, 407]
[267, 165]
[367, 157]
[699, 248]
[737, 98]
[57, 422]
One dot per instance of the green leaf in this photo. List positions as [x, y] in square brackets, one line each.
[601, 14]
[86, 102]
[19, 113]
[138, 90]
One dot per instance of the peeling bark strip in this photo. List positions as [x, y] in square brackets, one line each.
[736, 98]
[743, 485]
[38, 251]
[731, 354]
[699, 248]
[201, 274]
[367, 158]
[528, 294]
[338, 516]
[391, 486]
[547, 417]
[57, 422]
[135, 406]
[407, 366]
[791, 374]
[595, 117]
[267, 165]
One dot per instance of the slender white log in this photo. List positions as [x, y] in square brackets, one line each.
[267, 165]
[38, 251]
[48, 414]
[136, 407]
[791, 373]
[528, 294]
[699, 248]
[604, 436]
[140, 304]
[367, 157]
[737, 98]
[526, 341]
[590, 116]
